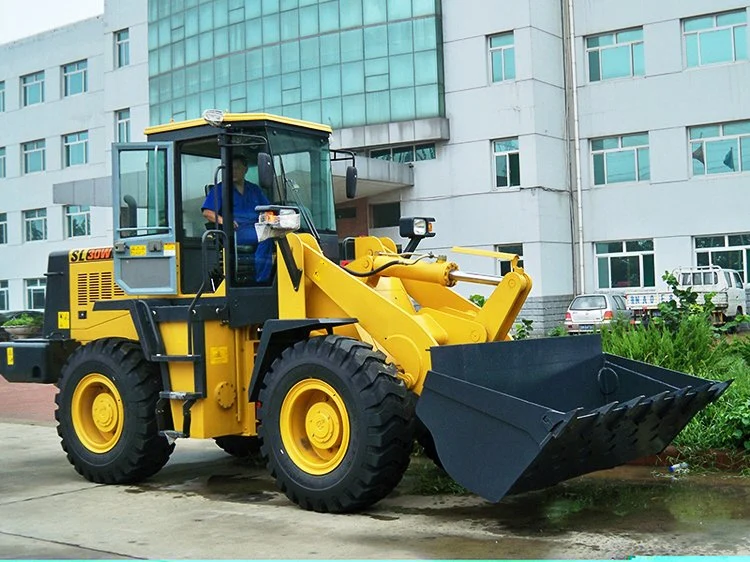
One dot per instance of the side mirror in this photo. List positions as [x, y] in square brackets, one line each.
[351, 182]
[266, 175]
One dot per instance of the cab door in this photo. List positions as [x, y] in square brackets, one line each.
[144, 218]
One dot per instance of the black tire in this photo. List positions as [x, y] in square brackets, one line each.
[109, 370]
[379, 413]
[239, 446]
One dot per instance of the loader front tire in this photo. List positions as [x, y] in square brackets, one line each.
[106, 413]
[336, 424]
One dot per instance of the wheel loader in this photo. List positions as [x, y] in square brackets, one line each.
[330, 371]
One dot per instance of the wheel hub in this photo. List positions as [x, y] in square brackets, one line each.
[323, 426]
[314, 425]
[104, 412]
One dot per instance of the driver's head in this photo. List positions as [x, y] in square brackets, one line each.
[239, 168]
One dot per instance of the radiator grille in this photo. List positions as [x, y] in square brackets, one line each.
[97, 286]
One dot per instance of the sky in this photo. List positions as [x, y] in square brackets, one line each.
[21, 18]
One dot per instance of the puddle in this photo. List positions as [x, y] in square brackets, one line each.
[240, 488]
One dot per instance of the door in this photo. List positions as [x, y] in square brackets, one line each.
[144, 217]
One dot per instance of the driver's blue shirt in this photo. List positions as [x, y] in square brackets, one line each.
[246, 216]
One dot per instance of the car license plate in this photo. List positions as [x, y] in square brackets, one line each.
[586, 327]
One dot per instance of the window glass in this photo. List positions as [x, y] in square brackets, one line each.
[143, 192]
[628, 264]
[720, 149]
[502, 57]
[507, 163]
[620, 159]
[386, 214]
[714, 39]
[615, 55]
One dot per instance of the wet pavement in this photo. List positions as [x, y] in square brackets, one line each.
[207, 505]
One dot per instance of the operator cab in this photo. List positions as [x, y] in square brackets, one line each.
[161, 185]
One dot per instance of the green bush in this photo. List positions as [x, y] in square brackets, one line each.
[683, 339]
[24, 320]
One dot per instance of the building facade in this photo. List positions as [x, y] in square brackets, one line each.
[604, 144]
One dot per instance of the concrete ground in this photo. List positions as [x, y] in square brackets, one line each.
[207, 505]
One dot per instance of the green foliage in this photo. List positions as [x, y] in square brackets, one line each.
[523, 329]
[683, 339]
[25, 320]
[478, 300]
[558, 331]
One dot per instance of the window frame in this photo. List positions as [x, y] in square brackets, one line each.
[71, 70]
[502, 49]
[27, 220]
[635, 148]
[121, 46]
[26, 86]
[743, 248]
[69, 144]
[75, 211]
[124, 122]
[33, 286]
[714, 28]
[26, 153]
[614, 45]
[2, 96]
[737, 137]
[3, 162]
[625, 253]
[4, 295]
[3, 228]
[387, 153]
[508, 154]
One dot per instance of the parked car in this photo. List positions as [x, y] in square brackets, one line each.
[10, 315]
[588, 313]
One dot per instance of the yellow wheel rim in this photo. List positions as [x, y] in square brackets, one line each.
[97, 412]
[314, 426]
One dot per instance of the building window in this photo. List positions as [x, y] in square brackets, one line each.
[625, 264]
[386, 214]
[77, 220]
[720, 149]
[3, 228]
[2, 97]
[731, 251]
[35, 225]
[122, 125]
[4, 296]
[404, 154]
[503, 266]
[75, 79]
[2, 162]
[122, 48]
[615, 55]
[76, 148]
[715, 38]
[618, 159]
[33, 156]
[32, 88]
[502, 57]
[507, 163]
[35, 289]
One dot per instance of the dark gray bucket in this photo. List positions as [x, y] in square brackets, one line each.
[507, 417]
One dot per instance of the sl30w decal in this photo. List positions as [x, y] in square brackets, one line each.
[90, 254]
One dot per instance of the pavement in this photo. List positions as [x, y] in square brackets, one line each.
[205, 504]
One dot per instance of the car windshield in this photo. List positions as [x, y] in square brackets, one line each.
[589, 302]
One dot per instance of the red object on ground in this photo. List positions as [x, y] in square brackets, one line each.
[27, 402]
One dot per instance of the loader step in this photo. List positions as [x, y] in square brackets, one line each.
[160, 358]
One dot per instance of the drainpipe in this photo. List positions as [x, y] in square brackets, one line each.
[570, 39]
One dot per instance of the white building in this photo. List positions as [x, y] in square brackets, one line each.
[601, 176]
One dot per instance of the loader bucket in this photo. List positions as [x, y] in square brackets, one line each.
[508, 417]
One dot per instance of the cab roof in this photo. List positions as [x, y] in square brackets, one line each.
[237, 117]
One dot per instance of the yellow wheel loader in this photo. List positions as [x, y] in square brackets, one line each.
[330, 371]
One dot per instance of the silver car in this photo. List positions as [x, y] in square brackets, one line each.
[588, 313]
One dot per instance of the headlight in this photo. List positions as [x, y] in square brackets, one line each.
[416, 227]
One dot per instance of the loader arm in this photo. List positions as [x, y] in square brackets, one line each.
[380, 292]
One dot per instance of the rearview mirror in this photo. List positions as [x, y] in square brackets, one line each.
[266, 175]
[351, 182]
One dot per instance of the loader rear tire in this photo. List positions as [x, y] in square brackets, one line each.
[106, 413]
[239, 446]
[336, 424]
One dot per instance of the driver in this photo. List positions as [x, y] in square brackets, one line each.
[245, 196]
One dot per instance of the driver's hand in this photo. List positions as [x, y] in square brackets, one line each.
[236, 226]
